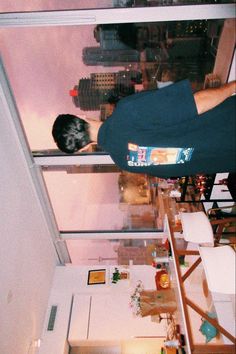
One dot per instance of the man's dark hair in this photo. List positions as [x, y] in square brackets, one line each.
[70, 133]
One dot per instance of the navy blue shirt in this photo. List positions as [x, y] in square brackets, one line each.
[146, 126]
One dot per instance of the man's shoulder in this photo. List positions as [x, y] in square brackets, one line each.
[147, 95]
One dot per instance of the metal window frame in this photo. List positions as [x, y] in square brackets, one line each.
[112, 235]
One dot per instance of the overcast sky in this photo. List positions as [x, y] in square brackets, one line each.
[43, 64]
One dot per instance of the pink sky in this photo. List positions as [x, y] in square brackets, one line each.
[37, 5]
[86, 201]
[43, 64]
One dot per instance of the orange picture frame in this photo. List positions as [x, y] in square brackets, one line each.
[97, 276]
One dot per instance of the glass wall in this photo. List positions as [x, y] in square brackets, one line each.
[85, 70]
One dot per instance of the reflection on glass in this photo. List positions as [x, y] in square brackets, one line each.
[41, 5]
[99, 65]
[102, 201]
[118, 252]
[150, 52]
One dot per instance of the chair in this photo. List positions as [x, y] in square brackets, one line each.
[219, 266]
[197, 228]
[227, 226]
[218, 262]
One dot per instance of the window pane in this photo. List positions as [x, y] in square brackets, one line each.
[42, 65]
[39, 5]
[45, 64]
[102, 201]
[118, 252]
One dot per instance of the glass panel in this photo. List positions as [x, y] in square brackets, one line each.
[102, 201]
[118, 252]
[44, 64]
[106, 63]
[39, 5]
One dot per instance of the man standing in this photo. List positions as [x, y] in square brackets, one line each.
[164, 133]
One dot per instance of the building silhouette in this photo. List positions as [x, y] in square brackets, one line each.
[102, 88]
[109, 57]
[111, 51]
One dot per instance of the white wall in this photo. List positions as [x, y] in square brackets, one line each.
[27, 255]
[71, 280]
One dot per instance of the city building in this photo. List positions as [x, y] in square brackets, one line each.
[109, 57]
[102, 88]
[111, 51]
[119, 44]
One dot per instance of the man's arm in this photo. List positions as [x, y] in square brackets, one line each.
[211, 97]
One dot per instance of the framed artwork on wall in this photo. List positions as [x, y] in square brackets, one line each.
[97, 276]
